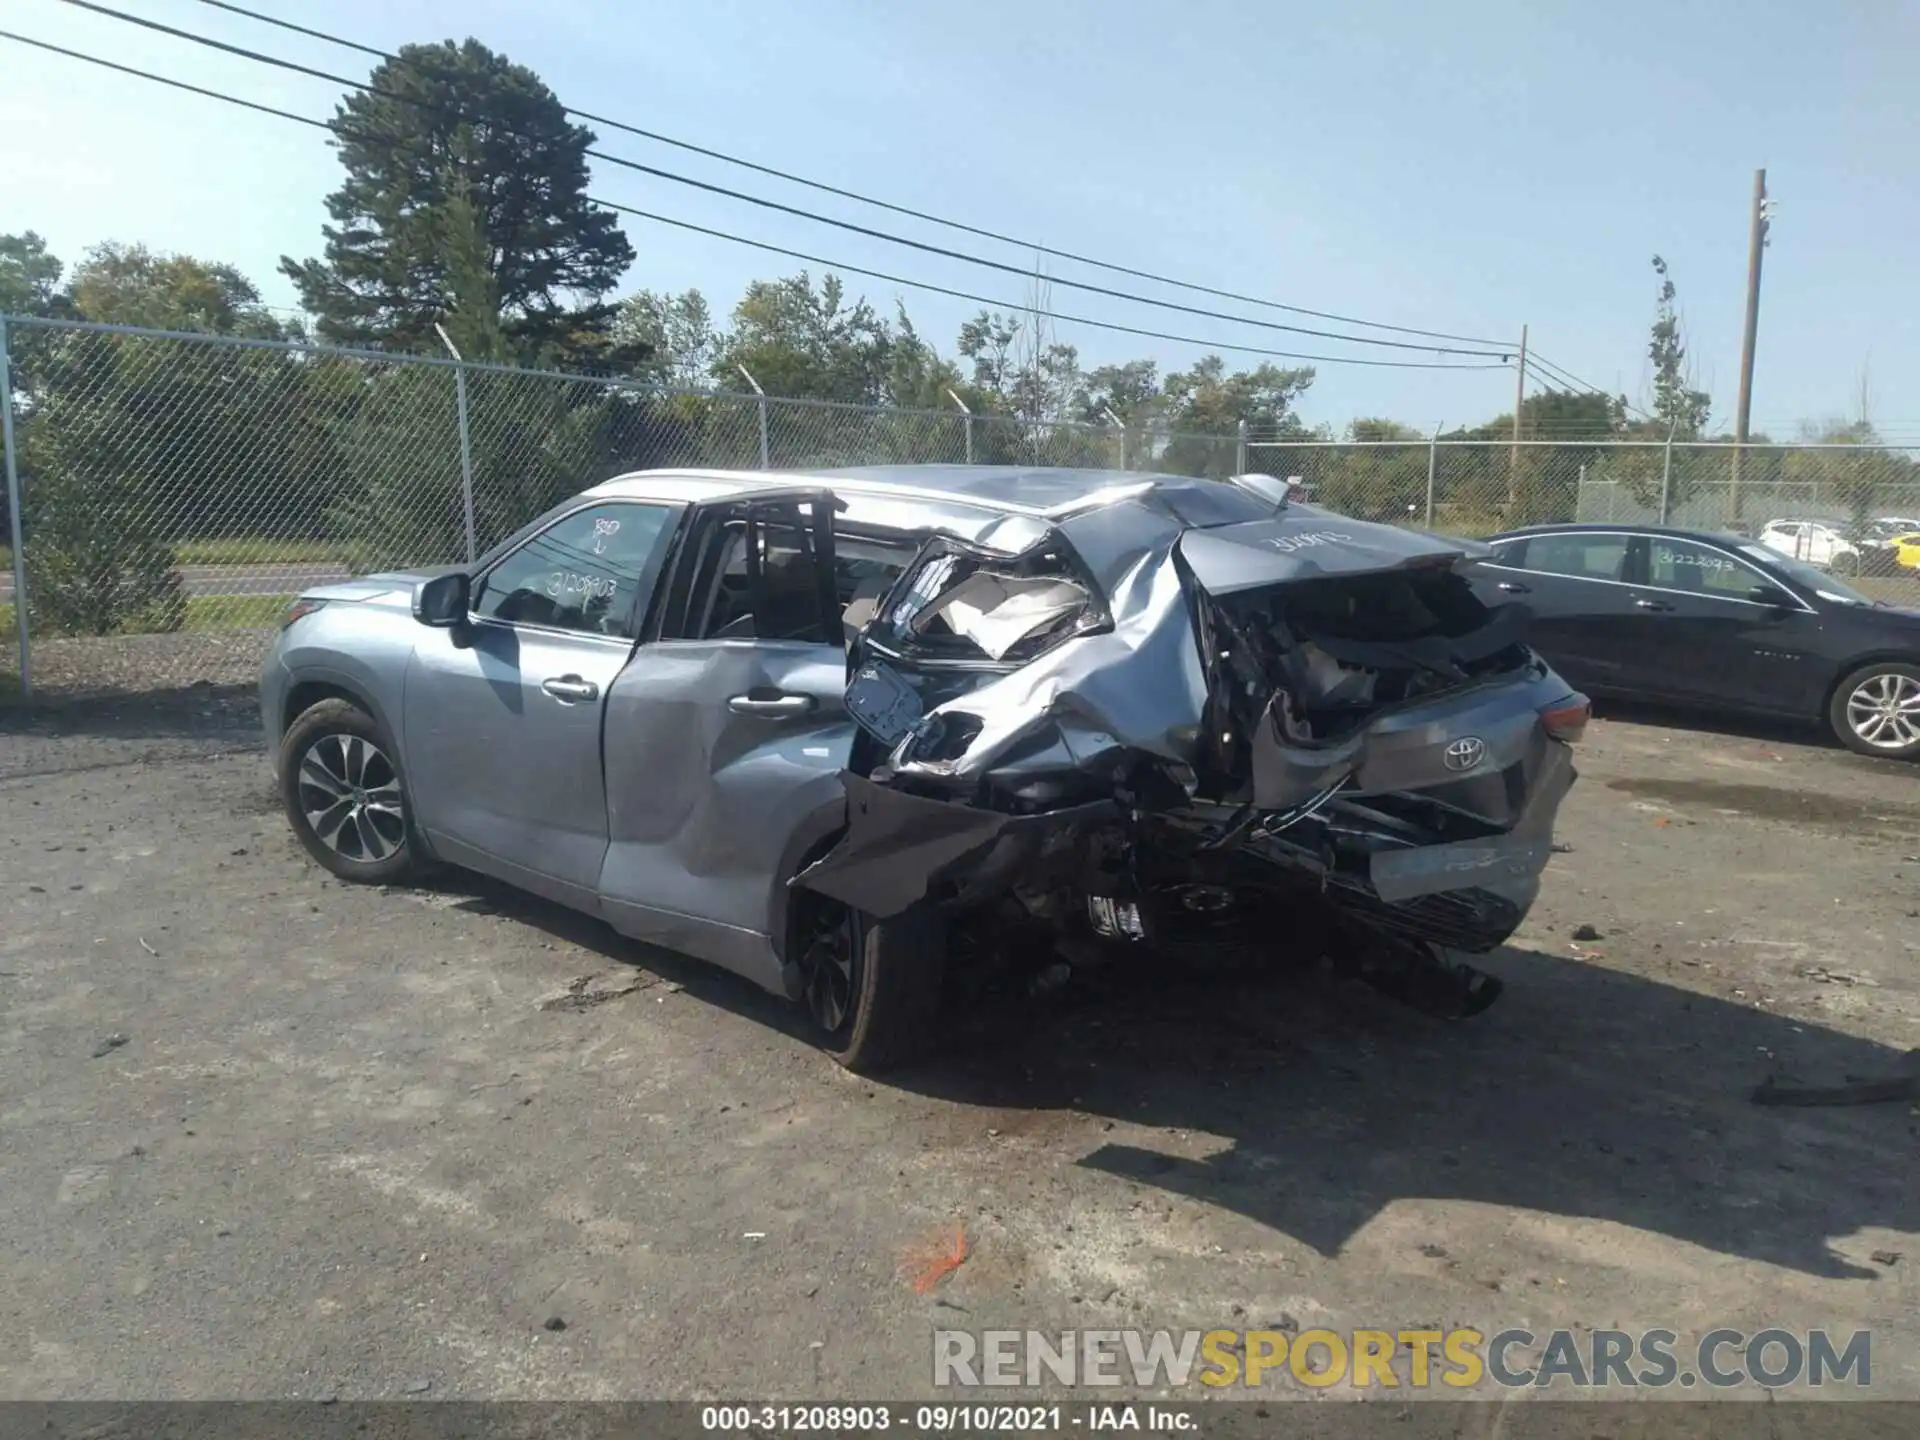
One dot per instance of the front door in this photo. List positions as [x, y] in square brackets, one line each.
[503, 714]
[1714, 638]
[726, 736]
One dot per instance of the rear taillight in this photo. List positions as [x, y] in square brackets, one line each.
[1567, 719]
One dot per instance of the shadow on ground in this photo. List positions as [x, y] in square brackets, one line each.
[1710, 722]
[175, 713]
[1585, 1092]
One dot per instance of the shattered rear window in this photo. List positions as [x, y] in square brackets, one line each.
[958, 607]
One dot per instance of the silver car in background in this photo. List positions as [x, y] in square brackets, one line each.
[864, 736]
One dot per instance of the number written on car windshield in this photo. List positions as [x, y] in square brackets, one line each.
[1683, 565]
[582, 572]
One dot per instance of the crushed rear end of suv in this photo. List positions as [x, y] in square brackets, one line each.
[1201, 721]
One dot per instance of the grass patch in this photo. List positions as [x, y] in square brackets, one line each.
[255, 552]
[243, 551]
[204, 613]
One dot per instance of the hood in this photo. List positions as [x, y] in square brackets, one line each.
[371, 587]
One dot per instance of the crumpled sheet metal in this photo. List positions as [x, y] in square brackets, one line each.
[897, 845]
[1139, 683]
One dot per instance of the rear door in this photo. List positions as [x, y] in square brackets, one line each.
[502, 715]
[727, 732]
[1574, 582]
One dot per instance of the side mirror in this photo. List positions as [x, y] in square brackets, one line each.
[1770, 595]
[442, 601]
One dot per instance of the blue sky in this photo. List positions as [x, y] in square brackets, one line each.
[1468, 167]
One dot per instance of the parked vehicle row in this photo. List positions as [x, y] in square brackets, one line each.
[870, 737]
[1889, 545]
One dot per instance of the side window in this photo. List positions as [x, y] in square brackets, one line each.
[584, 572]
[1510, 552]
[1581, 556]
[1683, 565]
[760, 580]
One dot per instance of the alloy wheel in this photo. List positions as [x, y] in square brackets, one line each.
[827, 965]
[1884, 710]
[350, 795]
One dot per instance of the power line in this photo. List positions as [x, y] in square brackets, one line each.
[1068, 319]
[1557, 376]
[260, 57]
[1567, 377]
[853, 195]
[775, 249]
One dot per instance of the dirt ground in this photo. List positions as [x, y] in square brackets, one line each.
[265, 1135]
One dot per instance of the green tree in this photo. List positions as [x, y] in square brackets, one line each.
[674, 335]
[1679, 413]
[131, 285]
[1208, 401]
[1130, 390]
[804, 342]
[29, 286]
[918, 376]
[1677, 406]
[456, 151]
[534, 440]
[29, 277]
[135, 443]
[1380, 474]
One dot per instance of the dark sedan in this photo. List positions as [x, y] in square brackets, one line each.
[1716, 621]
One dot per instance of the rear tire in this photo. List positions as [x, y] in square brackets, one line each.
[1876, 711]
[345, 796]
[871, 986]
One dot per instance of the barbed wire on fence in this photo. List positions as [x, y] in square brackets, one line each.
[177, 490]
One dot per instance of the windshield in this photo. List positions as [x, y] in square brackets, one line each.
[1823, 584]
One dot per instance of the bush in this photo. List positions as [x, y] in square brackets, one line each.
[96, 560]
[91, 571]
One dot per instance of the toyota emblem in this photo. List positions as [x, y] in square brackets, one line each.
[1466, 752]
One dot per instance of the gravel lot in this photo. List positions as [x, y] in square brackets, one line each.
[266, 1135]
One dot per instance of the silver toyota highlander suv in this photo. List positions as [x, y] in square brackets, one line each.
[862, 735]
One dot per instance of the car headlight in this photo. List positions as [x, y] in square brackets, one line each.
[299, 608]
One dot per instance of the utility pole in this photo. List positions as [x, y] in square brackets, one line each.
[1519, 399]
[1756, 242]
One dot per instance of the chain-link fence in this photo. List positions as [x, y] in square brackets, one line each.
[1475, 487]
[176, 491]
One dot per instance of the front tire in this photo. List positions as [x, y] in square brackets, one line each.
[1876, 711]
[871, 987]
[345, 796]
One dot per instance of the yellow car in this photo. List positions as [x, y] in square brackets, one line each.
[1906, 550]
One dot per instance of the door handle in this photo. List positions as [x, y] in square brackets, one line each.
[1653, 605]
[569, 688]
[1513, 589]
[772, 707]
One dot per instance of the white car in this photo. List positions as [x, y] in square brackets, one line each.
[1813, 541]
